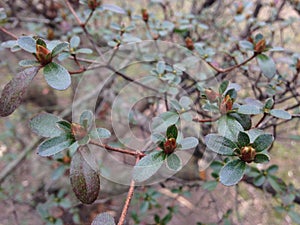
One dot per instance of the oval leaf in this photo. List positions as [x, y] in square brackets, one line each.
[113, 8]
[100, 133]
[147, 166]
[281, 114]
[29, 63]
[45, 125]
[172, 131]
[59, 48]
[266, 65]
[54, 145]
[249, 110]
[262, 142]
[74, 42]
[243, 139]
[57, 76]
[219, 144]
[84, 179]
[103, 219]
[174, 162]
[229, 127]
[188, 143]
[261, 158]
[13, 92]
[232, 172]
[27, 43]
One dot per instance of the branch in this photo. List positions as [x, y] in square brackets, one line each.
[8, 33]
[120, 150]
[74, 13]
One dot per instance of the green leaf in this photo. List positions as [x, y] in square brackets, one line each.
[172, 131]
[247, 45]
[27, 43]
[103, 219]
[29, 63]
[84, 51]
[210, 185]
[57, 76]
[64, 125]
[113, 8]
[185, 102]
[266, 65]
[147, 166]
[165, 120]
[232, 172]
[220, 144]
[269, 103]
[229, 127]
[249, 110]
[294, 216]
[14, 91]
[59, 48]
[281, 114]
[243, 139]
[54, 145]
[259, 180]
[84, 179]
[223, 86]
[261, 158]
[174, 162]
[101, 133]
[74, 42]
[86, 119]
[45, 125]
[273, 181]
[160, 67]
[188, 143]
[243, 119]
[262, 142]
[272, 169]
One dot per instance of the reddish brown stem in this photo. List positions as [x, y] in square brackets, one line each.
[220, 70]
[74, 13]
[8, 33]
[120, 150]
[205, 120]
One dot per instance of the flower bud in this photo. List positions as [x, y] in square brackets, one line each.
[43, 55]
[211, 95]
[248, 154]
[189, 43]
[78, 131]
[260, 46]
[170, 145]
[145, 15]
[226, 105]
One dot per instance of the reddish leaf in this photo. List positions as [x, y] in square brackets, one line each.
[13, 92]
[84, 179]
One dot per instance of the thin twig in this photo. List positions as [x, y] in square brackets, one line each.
[8, 33]
[74, 13]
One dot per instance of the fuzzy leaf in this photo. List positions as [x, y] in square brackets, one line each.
[243, 119]
[29, 63]
[27, 43]
[57, 76]
[232, 172]
[59, 48]
[266, 65]
[103, 219]
[100, 133]
[249, 110]
[54, 145]
[188, 143]
[229, 127]
[74, 42]
[262, 142]
[113, 8]
[220, 144]
[261, 158]
[243, 139]
[172, 131]
[13, 92]
[45, 125]
[84, 179]
[281, 114]
[147, 166]
[174, 162]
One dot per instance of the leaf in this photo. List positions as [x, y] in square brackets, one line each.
[59, 48]
[269, 103]
[266, 65]
[281, 114]
[232, 172]
[14, 91]
[249, 110]
[54, 145]
[57, 76]
[29, 63]
[45, 125]
[262, 142]
[259, 180]
[261, 158]
[243, 119]
[273, 181]
[172, 131]
[27, 43]
[294, 216]
[160, 67]
[84, 179]
[185, 102]
[86, 118]
[223, 86]
[101, 133]
[229, 127]
[103, 219]
[247, 45]
[210, 185]
[64, 125]
[113, 8]
[147, 166]
[174, 162]
[188, 143]
[243, 139]
[272, 169]
[74, 42]
[220, 144]
[84, 51]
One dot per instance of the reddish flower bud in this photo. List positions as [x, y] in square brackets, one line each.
[145, 15]
[260, 46]
[298, 65]
[248, 154]
[189, 43]
[78, 131]
[170, 145]
[43, 55]
[211, 95]
[226, 105]
[93, 4]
